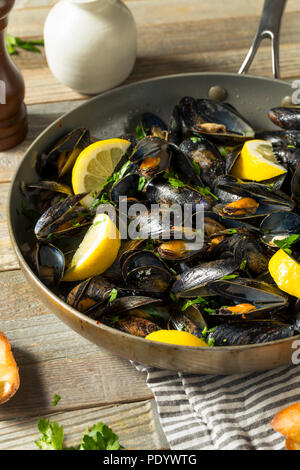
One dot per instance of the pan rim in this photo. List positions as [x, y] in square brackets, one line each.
[48, 293]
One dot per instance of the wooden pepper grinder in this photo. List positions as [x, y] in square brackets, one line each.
[13, 115]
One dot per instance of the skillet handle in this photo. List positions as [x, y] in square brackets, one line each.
[269, 27]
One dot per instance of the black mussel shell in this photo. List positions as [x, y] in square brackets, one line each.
[286, 117]
[206, 157]
[49, 262]
[152, 156]
[243, 333]
[278, 226]
[192, 281]
[159, 191]
[61, 158]
[264, 297]
[142, 270]
[175, 127]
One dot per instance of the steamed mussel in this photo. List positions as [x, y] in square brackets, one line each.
[211, 280]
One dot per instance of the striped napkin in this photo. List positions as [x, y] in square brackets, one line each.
[213, 412]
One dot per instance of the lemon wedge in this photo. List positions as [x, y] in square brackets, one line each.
[181, 338]
[97, 251]
[286, 272]
[257, 162]
[95, 164]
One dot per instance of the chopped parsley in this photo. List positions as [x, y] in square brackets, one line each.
[286, 244]
[229, 276]
[197, 300]
[196, 167]
[113, 295]
[56, 399]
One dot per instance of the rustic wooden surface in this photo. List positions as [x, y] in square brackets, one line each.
[174, 36]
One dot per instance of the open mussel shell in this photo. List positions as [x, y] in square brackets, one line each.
[159, 191]
[248, 199]
[194, 281]
[190, 320]
[249, 332]
[93, 292]
[49, 262]
[152, 123]
[206, 156]
[177, 250]
[52, 186]
[143, 270]
[286, 117]
[216, 120]
[278, 226]
[134, 324]
[264, 297]
[61, 158]
[61, 217]
[152, 156]
[183, 166]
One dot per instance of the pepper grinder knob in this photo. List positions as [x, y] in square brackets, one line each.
[13, 115]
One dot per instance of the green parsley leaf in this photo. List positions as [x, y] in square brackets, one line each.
[140, 133]
[206, 191]
[113, 295]
[195, 139]
[211, 342]
[190, 302]
[287, 243]
[13, 42]
[52, 435]
[243, 264]
[172, 297]
[196, 167]
[56, 399]
[229, 276]
[142, 182]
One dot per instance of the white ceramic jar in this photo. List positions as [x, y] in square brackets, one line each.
[90, 45]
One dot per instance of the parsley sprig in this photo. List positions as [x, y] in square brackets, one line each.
[286, 243]
[99, 437]
[13, 42]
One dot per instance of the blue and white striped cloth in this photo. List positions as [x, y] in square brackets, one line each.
[203, 412]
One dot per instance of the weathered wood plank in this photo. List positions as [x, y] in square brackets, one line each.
[54, 359]
[136, 425]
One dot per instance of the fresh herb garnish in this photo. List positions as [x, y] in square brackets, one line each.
[198, 300]
[56, 399]
[229, 276]
[172, 297]
[13, 42]
[113, 295]
[196, 167]
[142, 182]
[195, 139]
[206, 191]
[173, 179]
[243, 264]
[140, 132]
[231, 231]
[211, 342]
[287, 243]
[99, 437]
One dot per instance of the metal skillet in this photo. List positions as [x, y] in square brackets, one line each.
[116, 111]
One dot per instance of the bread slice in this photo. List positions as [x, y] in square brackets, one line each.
[9, 372]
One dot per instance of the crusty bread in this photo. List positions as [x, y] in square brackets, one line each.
[287, 422]
[9, 372]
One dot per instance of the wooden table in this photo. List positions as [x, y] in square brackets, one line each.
[174, 36]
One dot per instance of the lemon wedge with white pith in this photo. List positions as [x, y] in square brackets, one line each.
[97, 251]
[180, 338]
[286, 272]
[95, 164]
[257, 162]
